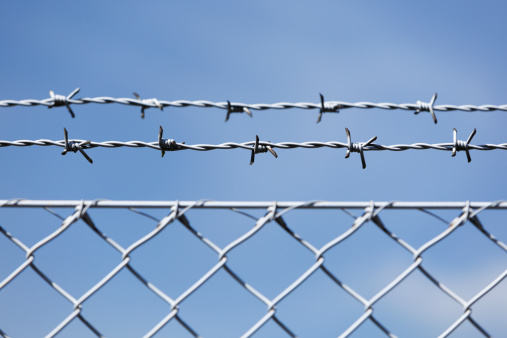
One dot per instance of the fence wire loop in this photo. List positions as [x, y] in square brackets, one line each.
[459, 145]
[326, 108]
[424, 106]
[60, 100]
[148, 103]
[272, 211]
[357, 147]
[260, 148]
[236, 109]
[75, 146]
[467, 210]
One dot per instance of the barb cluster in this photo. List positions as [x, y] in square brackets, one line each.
[323, 107]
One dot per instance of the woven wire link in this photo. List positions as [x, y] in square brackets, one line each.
[274, 212]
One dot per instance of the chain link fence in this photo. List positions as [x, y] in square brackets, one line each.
[228, 269]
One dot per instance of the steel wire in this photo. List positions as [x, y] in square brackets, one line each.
[253, 146]
[255, 106]
[236, 107]
[248, 145]
[274, 212]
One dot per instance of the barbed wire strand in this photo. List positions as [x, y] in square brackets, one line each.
[237, 107]
[256, 146]
[248, 145]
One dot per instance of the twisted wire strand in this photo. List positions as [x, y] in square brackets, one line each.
[155, 103]
[249, 145]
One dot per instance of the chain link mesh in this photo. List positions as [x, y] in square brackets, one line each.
[225, 239]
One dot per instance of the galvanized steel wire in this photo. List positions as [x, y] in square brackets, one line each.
[274, 212]
[255, 146]
[49, 102]
[248, 145]
[236, 107]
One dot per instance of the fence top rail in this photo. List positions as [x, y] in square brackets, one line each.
[209, 204]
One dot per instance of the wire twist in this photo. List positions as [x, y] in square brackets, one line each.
[423, 106]
[326, 108]
[357, 147]
[459, 145]
[60, 100]
[166, 144]
[148, 103]
[261, 148]
[75, 146]
[236, 109]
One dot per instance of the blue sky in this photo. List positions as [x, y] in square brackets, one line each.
[251, 52]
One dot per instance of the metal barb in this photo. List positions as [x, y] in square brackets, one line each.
[324, 109]
[166, 144]
[459, 145]
[60, 100]
[75, 146]
[236, 109]
[148, 102]
[260, 149]
[357, 147]
[423, 106]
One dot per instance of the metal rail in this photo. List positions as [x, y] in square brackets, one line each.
[208, 204]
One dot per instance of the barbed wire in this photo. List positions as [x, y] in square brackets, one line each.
[257, 146]
[325, 107]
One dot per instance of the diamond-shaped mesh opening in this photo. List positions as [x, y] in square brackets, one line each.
[472, 252]
[270, 260]
[174, 259]
[416, 227]
[223, 226]
[408, 308]
[76, 259]
[316, 303]
[318, 226]
[29, 299]
[368, 260]
[221, 308]
[31, 225]
[124, 225]
[124, 307]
